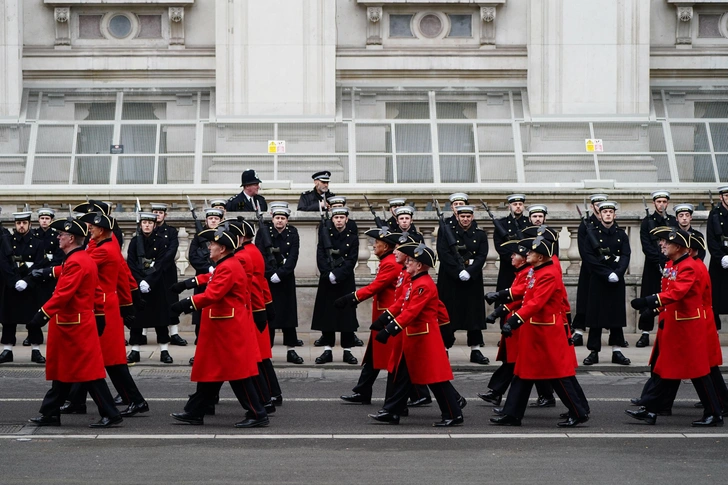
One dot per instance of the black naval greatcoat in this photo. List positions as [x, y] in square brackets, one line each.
[413, 233]
[23, 254]
[717, 241]
[310, 200]
[286, 246]
[582, 290]
[199, 257]
[513, 227]
[240, 203]
[53, 256]
[654, 259]
[463, 299]
[326, 317]
[160, 276]
[606, 307]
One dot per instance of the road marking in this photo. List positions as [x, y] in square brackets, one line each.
[329, 399]
[518, 436]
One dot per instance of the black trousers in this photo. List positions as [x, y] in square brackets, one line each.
[594, 341]
[720, 388]
[444, 392]
[58, 393]
[122, 381]
[579, 322]
[501, 378]
[567, 388]
[207, 395]
[329, 338]
[665, 391]
[475, 337]
[269, 377]
[135, 335]
[261, 386]
[369, 375]
[290, 336]
[35, 334]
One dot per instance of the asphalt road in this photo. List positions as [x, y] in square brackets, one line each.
[315, 438]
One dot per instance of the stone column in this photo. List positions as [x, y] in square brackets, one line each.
[588, 57]
[573, 252]
[11, 53]
[276, 58]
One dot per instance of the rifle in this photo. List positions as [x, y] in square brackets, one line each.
[712, 204]
[449, 236]
[198, 223]
[326, 242]
[592, 236]
[499, 229]
[377, 219]
[147, 265]
[265, 239]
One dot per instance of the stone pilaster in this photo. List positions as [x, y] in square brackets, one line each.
[11, 53]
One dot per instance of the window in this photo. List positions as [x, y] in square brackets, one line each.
[460, 25]
[400, 26]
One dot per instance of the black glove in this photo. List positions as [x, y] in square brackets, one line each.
[649, 313]
[498, 297]
[270, 312]
[639, 303]
[41, 273]
[448, 335]
[569, 338]
[128, 314]
[382, 336]
[139, 302]
[511, 324]
[182, 306]
[381, 322]
[39, 319]
[183, 285]
[346, 300]
[499, 312]
[568, 319]
[260, 320]
[100, 324]
[506, 330]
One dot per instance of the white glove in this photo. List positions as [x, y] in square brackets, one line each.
[275, 278]
[332, 278]
[464, 275]
[211, 269]
[29, 264]
[724, 262]
[21, 285]
[613, 278]
[144, 286]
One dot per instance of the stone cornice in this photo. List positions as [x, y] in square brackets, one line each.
[145, 3]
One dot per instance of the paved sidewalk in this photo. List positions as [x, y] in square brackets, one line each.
[459, 354]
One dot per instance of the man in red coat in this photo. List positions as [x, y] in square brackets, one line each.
[227, 347]
[424, 358]
[681, 348]
[382, 290]
[545, 339]
[74, 350]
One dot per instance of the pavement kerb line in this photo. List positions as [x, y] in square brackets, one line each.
[519, 436]
[335, 399]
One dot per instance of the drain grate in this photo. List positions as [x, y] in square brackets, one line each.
[292, 374]
[22, 373]
[10, 428]
[626, 374]
[163, 372]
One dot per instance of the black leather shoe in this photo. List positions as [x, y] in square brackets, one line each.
[449, 422]
[477, 357]
[544, 402]
[506, 420]
[299, 343]
[708, 421]
[135, 408]
[318, 342]
[462, 402]
[270, 408]
[327, 356]
[578, 339]
[26, 342]
[6, 356]
[349, 358]
[357, 398]
[592, 358]
[106, 422]
[637, 401]
[70, 408]
[423, 401]
[46, 420]
[642, 414]
[619, 358]
[358, 342]
[491, 397]
[192, 360]
[253, 423]
[385, 417]
[572, 422]
[293, 357]
[133, 357]
[643, 341]
[625, 344]
[165, 358]
[37, 357]
[498, 411]
[186, 417]
[277, 400]
[564, 415]
[177, 340]
[119, 401]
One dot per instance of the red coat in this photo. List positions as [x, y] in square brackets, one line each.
[74, 351]
[544, 351]
[517, 290]
[254, 264]
[227, 349]
[422, 343]
[681, 346]
[715, 353]
[382, 289]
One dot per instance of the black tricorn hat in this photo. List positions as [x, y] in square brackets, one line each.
[673, 235]
[93, 206]
[220, 236]
[383, 234]
[98, 219]
[241, 227]
[420, 253]
[70, 225]
[697, 242]
[515, 246]
[249, 177]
